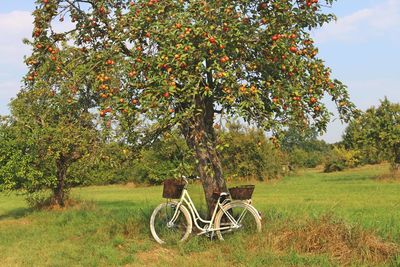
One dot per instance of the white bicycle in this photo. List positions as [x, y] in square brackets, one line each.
[172, 222]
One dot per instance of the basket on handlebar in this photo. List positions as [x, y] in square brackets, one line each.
[173, 188]
[242, 192]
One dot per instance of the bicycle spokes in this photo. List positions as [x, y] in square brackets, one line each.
[169, 224]
[238, 219]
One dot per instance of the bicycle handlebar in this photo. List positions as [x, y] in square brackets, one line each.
[194, 177]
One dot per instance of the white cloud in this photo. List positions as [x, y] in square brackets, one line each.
[15, 21]
[362, 25]
[8, 90]
[14, 27]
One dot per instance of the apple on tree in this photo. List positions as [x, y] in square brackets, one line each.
[152, 50]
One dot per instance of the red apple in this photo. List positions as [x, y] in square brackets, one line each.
[212, 40]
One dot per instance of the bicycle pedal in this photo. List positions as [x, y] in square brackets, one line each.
[210, 235]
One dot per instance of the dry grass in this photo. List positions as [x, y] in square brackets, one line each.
[341, 242]
[389, 177]
[161, 256]
[14, 222]
[109, 226]
[69, 204]
[131, 185]
[155, 256]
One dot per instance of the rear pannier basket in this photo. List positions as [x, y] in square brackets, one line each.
[242, 192]
[173, 188]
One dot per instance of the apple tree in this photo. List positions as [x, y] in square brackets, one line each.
[47, 132]
[183, 64]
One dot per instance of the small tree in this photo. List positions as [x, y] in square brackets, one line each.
[180, 63]
[40, 141]
[49, 129]
[377, 133]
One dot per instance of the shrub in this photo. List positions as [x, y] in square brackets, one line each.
[300, 158]
[249, 154]
[303, 148]
[340, 159]
[115, 164]
[245, 153]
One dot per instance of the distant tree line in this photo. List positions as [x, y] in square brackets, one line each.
[49, 146]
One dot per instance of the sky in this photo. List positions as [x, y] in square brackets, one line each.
[362, 48]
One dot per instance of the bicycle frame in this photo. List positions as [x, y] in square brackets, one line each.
[209, 224]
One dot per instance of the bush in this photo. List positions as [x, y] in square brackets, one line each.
[249, 154]
[166, 158]
[303, 148]
[111, 165]
[244, 153]
[334, 166]
[340, 159]
[300, 158]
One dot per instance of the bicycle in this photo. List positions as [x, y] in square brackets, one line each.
[172, 222]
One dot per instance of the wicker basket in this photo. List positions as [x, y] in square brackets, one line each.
[242, 192]
[172, 188]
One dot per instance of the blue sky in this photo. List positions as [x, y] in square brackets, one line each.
[362, 48]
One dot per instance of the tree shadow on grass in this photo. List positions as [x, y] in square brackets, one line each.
[137, 207]
[127, 205]
[140, 210]
[118, 204]
[15, 213]
[348, 178]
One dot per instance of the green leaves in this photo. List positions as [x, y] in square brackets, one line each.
[45, 134]
[189, 44]
[376, 132]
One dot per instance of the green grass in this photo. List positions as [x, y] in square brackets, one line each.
[110, 227]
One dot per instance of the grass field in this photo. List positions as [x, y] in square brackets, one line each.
[309, 219]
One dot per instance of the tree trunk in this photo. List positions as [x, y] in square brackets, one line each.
[396, 167]
[59, 191]
[396, 162]
[200, 137]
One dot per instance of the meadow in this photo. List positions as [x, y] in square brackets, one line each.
[309, 219]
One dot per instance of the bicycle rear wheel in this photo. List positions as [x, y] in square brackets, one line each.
[166, 231]
[235, 217]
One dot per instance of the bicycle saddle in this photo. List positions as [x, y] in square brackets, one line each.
[216, 195]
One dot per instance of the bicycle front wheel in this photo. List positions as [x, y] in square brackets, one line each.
[237, 216]
[169, 225]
